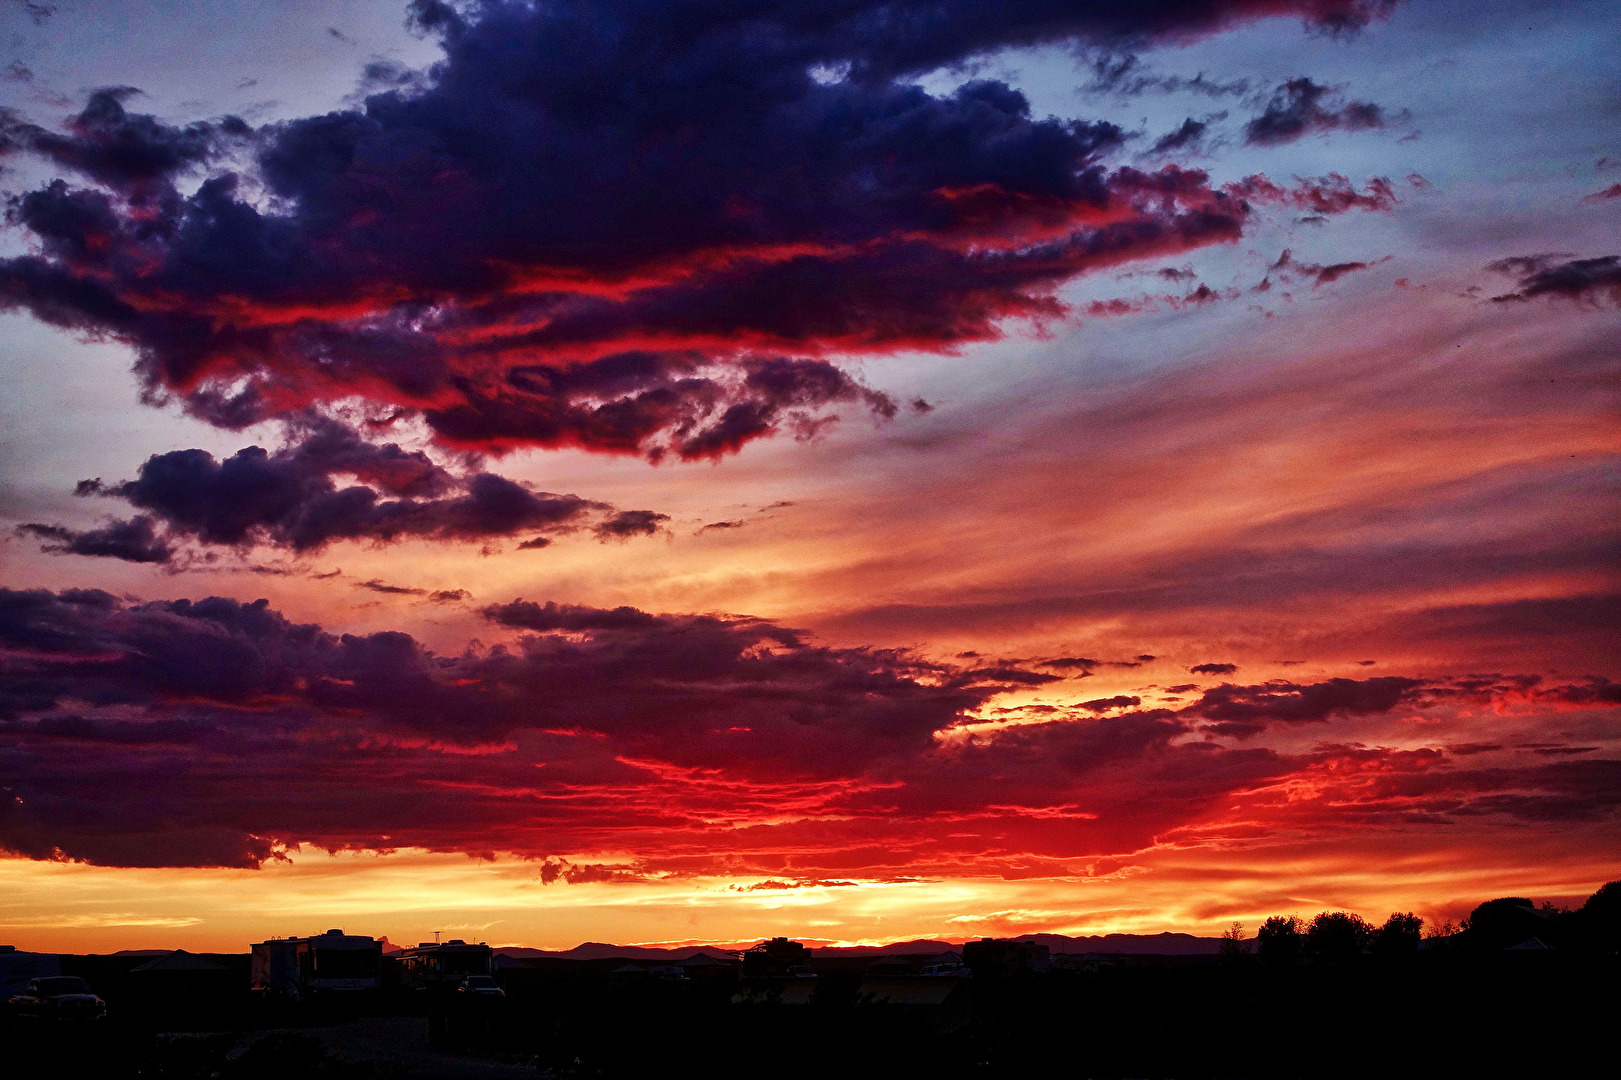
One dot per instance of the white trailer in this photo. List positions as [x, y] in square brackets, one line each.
[299, 968]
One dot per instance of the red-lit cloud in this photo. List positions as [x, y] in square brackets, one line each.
[219, 733]
[648, 232]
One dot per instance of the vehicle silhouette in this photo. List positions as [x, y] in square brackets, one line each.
[59, 997]
[480, 986]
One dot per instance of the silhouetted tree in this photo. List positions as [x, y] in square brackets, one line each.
[1503, 923]
[1440, 930]
[1279, 942]
[1233, 946]
[1599, 920]
[1337, 937]
[1400, 935]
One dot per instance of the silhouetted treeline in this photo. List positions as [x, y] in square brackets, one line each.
[1508, 923]
[1332, 996]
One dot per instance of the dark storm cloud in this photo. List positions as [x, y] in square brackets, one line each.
[1301, 107]
[290, 499]
[1213, 669]
[1587, 281]
[632, 229]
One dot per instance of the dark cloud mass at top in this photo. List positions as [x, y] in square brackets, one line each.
[635, 228]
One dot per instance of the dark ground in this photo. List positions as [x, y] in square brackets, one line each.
[1431, 1014]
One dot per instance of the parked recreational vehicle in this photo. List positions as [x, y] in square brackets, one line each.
[443, 965]
[333, 962]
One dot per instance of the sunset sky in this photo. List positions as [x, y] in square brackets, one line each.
[689, 470]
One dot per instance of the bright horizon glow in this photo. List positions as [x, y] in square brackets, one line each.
[406, 896]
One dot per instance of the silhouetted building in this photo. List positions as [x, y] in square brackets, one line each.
[1004, 956]
[182, 982]
[777, 958]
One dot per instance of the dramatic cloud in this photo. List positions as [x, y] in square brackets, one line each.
[289, 499]
[1587, 281]
[220, 733]
[233, 701]
[1298, 109]
[640, 231]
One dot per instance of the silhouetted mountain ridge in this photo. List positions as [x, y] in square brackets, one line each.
[1166, 944]
[597, 950]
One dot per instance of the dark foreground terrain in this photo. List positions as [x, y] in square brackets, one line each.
[1437, 1013]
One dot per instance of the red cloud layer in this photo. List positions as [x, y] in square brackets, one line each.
[219, 733]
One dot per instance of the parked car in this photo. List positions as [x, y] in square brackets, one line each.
[480, 986]
[59, 997]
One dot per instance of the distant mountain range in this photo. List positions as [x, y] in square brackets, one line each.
[596, 950]
[1129, 944]
[1116, 944]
